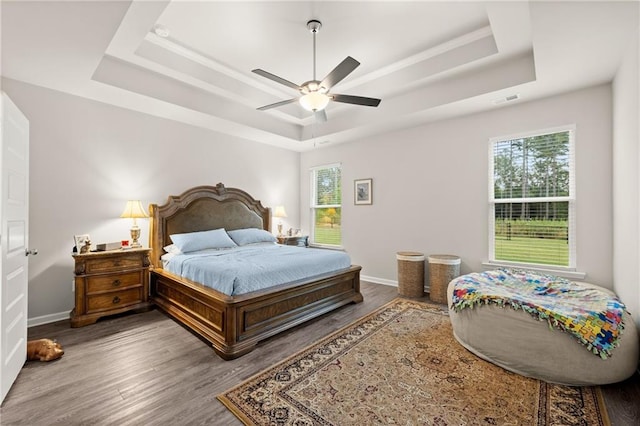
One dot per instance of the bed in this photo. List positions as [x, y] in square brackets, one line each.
[551, 346]
[234, 324]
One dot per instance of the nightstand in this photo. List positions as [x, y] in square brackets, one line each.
[110, 282]
[299, 240]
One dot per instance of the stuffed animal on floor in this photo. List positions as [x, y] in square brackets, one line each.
[43, 350]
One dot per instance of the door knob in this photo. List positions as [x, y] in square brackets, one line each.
[33, 252]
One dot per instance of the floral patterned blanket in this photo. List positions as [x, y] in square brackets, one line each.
[591, 315]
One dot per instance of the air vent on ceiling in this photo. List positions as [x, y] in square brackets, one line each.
[507, 99]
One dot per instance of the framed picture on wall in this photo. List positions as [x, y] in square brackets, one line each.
[362, 191]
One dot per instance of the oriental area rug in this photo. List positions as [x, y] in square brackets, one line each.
[401, 365]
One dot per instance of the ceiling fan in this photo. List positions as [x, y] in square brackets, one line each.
[315, 94]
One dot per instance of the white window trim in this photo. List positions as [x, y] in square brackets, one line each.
[313, 206]
[565, 271]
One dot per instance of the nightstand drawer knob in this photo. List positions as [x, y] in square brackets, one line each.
[116, 300]
[116, 283]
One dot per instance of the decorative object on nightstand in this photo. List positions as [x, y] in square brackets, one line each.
[295, 240]
[81, 241]
[134, 210]
[279, 212]
[110, 282]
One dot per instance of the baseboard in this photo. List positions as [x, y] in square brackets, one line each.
[377, 280]
[46, 319]
[384, 281]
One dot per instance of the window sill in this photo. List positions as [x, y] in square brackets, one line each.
[561, 272]
[320, 246]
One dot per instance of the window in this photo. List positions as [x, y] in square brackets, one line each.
[532, 199]
[326, 205]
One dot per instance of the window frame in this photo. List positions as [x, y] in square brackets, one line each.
[570, 199]
[314, 206]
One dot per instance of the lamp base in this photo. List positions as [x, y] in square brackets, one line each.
[280, 230]
[135, 234]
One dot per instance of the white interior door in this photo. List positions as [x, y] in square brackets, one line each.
[14, 237]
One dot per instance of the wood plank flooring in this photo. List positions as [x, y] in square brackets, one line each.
[144, 369]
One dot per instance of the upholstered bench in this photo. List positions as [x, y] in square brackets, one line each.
[519, 342]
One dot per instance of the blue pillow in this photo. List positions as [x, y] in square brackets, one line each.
[246, 236]
[195, 241]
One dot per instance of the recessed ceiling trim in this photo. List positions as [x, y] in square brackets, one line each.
[422, 102]
[212, 64]
[418, 58]
[132, 78]
[196, 74]
[425, 55]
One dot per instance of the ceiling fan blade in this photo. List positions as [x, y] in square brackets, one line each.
[321, 116]
[277, 104]
[343, 69]
[357, 100]
[275, 78]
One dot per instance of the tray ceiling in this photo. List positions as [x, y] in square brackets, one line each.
[426, 60]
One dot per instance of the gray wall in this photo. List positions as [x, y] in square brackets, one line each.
[429, 182]
[626, 179]
[88, 158]
[430, 185]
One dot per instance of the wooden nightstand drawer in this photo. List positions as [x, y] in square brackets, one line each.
[101, 283]
[114, 300]
[117, 263]
[110, 282]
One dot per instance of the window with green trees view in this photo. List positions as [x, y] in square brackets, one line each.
[532, 198]
[326, 203]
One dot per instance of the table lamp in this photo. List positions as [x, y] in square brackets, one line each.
[134, 210]
[279, 212]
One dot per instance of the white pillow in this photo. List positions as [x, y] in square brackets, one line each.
[172, 248]
[195, 241]
[242, 237]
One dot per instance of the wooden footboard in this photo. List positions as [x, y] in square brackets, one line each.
[234, 325]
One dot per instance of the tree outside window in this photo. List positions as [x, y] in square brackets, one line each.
[532, 199]
[326, 205]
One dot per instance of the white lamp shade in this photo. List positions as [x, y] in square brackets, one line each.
[279, 212]
[314, 101]
[134, 210]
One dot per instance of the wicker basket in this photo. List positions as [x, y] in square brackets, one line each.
[442, 269]
[410, 273]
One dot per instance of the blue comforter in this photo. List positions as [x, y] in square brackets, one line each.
[244, 269]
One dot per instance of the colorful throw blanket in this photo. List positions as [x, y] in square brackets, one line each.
[593, 316]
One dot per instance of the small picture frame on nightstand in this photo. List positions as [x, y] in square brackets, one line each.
[80, 242]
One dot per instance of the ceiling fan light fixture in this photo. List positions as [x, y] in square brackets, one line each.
[314, 93]
[314, 101]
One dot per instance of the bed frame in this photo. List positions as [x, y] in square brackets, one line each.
[233, 325]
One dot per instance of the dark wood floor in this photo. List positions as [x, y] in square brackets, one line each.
[144, 369]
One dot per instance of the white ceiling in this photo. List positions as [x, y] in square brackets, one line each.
[426, 60]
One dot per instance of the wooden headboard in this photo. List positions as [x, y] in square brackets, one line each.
[200, 209]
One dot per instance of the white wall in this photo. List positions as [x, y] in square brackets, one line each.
[88, 158]
[626, 179]
[429, 182]
[430, 188]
